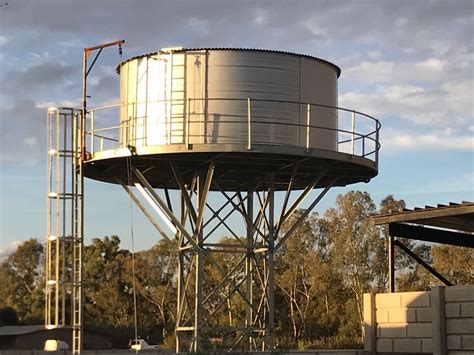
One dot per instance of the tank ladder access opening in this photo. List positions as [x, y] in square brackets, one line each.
[243, 264]
[64, 235]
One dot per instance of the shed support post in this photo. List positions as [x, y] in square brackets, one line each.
[439, 320]
[391, 263]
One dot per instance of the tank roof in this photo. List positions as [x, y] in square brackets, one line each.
[181, 50]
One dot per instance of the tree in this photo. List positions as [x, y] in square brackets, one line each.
[155, 271]
[294, 277]
[355, 244]
[108, 296]
[455, 263]
[21, 277]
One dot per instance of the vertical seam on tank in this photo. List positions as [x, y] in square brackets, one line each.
[185, 97]
[128, 126]
[299, 99]
[135, 114]
[170, 99]
[206, 96]
[145, 119]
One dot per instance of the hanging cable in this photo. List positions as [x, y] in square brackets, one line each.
[129, 182]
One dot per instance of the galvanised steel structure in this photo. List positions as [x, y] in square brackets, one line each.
[229, 130]
[64, 223]
[66, 145]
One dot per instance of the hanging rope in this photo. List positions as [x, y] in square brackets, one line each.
[129, 183]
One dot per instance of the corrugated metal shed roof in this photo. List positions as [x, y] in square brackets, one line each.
[456, 216]
[8, 330]
[338, 70]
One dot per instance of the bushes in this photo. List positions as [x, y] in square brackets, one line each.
[332, 342]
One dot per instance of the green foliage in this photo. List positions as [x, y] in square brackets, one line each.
[331, 342]
[455, 263]
[107, 293]
[355, 244]
[21, 277]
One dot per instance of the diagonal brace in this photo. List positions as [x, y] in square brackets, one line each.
[305, 214]
[144, 210]
[165, 208]
[423, 263]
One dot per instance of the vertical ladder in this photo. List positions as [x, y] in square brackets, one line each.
[78, 229]
[64, 221]
[53, 206]
[177, 110]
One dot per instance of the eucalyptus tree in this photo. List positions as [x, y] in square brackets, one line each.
[22, 280]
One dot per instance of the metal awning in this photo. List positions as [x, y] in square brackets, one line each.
[451, 224]
[455, 216]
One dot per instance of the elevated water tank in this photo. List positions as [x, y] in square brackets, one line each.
[252, 112]
[210, 88]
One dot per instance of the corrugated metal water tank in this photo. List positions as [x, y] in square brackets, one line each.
[210, 88]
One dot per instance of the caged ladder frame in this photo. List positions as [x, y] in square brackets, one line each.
[65, 182]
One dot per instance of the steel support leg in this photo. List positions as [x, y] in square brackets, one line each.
[246, 272]
[271, 265]
[199, 264]
[249, 270]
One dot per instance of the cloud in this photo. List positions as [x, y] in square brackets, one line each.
[37, 76]
[408, 62]
[23, 137]
[394, 140]
[428, 71]
[448, 104]
[11, 248]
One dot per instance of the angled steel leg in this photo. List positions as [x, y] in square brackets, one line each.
[144, 210]
[248, 270]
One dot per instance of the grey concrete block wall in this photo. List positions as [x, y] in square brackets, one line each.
[440, 321]
[459, 310]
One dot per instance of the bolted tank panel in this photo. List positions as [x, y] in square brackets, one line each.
[201, 97]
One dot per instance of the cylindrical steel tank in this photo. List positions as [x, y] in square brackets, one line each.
[208, 96]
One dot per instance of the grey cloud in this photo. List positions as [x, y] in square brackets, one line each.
[35, 77]
[340, 31]
[147, 25]
[23, 133]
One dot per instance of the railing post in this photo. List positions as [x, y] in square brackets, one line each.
[308, 122]
[131, 126]
[249, 125]
[101, 144]
[188, 125]
[363, 146]
[353, 131]
[92, 131]
[376, 145]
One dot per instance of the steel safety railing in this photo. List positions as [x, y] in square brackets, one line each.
[121, 125]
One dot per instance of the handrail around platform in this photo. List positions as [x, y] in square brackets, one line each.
[127, 129]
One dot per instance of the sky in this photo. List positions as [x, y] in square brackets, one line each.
[408, 63]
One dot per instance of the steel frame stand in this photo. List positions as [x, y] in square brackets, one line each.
[64, 222]
[244, 264]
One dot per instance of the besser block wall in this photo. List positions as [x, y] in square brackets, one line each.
[459, 309]
[421, 322]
